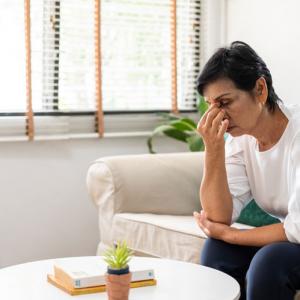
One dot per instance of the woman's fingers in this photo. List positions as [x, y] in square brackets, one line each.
[211, 116]
[202, 121]
[216, 123]
[212, 126]
[201, 221]
[223, 128]
[197, 217]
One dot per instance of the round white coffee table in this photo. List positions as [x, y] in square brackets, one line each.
[175, 280]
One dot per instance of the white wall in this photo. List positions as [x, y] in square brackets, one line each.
[213, 27]
[45, 211]
[272, 28]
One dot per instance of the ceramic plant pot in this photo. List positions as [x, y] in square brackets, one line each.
[118, 283]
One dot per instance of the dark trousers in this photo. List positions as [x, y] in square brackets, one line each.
[269, 272]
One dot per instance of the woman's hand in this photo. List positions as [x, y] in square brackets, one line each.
[212, 128]
[213, 229]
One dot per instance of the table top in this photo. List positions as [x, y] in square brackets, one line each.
[176, 280]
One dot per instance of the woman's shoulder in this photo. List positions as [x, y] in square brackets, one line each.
[292, 111]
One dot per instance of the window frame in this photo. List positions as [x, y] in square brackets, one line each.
[122, 118]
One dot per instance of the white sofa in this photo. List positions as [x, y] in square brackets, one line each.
[148, 200]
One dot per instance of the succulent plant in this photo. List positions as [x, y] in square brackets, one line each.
[118, 256]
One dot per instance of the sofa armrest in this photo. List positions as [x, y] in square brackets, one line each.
[159, 184]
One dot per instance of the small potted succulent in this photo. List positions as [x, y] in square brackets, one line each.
[118, 276]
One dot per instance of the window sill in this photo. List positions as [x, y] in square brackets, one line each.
[82, 127]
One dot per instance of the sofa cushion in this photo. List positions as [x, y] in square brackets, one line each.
[145, 183]
[162, 235]
[253, 215]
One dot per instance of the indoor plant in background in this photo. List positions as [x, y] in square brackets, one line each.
[118, 276]
[181, 128]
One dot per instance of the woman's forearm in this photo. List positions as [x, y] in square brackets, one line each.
[214, 192]
[215, 196]
[259, 236]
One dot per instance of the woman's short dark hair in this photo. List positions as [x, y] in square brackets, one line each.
[241, 64]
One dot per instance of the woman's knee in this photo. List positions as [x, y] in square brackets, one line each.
[271, 258]
[268, 274]
[263, 267]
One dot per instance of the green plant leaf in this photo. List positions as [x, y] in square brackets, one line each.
[149, 144]
[190, 121]
[169, 131]
[181, 129]
[195, 143]
[118, 256]
[176, 134]
[158, 130]
[184, 124]
[169, 116]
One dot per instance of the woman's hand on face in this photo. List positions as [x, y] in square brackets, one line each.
[212, 128]
[213, 229]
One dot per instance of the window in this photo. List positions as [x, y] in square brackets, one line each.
[147, 57]
[63, 55]
[137, 54]
[12, 57]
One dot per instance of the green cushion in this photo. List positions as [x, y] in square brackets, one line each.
[253, 215]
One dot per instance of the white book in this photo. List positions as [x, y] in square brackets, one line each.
[81, 274]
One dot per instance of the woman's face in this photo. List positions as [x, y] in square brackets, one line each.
[242, 109]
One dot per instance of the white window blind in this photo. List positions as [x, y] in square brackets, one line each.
[12, 68]
[12, 57]
[63, 55]
[132, 72]
[137, 53]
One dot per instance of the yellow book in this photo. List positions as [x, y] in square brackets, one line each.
[94, 289]
[83, 274]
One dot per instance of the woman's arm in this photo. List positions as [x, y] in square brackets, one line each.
[292, 220]
[214, 192]
[258, 236]
[215, 196]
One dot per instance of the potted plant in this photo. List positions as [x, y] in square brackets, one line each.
[118, 276]
[181, 128]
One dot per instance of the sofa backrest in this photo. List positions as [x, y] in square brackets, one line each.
[148, 183]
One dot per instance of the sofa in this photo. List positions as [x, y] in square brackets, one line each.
[148, 200]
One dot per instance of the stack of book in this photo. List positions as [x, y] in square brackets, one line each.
[81, 278]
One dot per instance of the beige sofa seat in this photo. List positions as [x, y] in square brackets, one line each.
[175, 237]
[148, 200]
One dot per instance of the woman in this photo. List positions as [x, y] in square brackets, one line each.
[260, 160]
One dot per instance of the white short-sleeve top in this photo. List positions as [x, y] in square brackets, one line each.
[271, 177]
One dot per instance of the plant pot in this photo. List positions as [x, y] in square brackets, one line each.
[118, 283]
